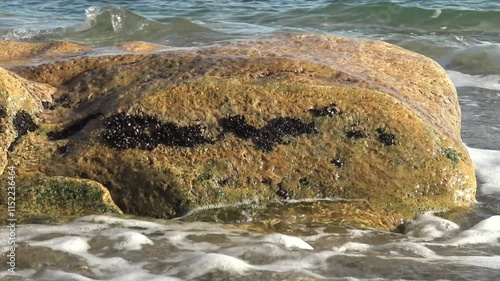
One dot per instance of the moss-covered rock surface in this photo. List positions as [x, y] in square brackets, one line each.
[369, 130]
[46, 199]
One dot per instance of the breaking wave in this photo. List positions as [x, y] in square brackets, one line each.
[104, 26]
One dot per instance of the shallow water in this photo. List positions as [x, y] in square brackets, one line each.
[110, 248]
[463, 36]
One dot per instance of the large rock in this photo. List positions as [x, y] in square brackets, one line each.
[35, 195]
[368, 127]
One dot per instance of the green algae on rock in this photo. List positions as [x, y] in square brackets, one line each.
[337, 120]
[61, 197]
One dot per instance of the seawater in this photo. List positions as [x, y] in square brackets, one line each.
[463, 36]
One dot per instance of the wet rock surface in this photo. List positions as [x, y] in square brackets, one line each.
[281, 120]
[273, 133]
[39, 197]
[20, 101]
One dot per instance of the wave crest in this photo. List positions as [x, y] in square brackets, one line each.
[109, 25]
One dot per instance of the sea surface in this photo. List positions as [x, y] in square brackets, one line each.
[462, 35]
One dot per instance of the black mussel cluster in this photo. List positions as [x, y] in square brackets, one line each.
[146, 132]
[273, 133]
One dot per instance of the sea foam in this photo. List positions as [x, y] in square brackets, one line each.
[130, 240]
[491, 82]
[118, 248]
[428, 226]
[487, 166]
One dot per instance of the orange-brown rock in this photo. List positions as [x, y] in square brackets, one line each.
[369, 125]
[140, 47]
[16, 53]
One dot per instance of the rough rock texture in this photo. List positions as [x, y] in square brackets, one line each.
[140, 47]
[52, 198]
[20, 102]
[21, 53]
[14, 53]
[22, 105]
[292, 117]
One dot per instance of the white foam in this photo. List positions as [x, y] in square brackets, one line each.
[476, 56]
[428, 226]
[436, 14]
[491, 82]
[188, 250]
[112, 264]
[139, 274]
[79, 246]
[403, 248]
[130, 240]
[70, 244]
[25, 273]
[360, 232]
[487, 165]
[181, 241]
[490, 224]
[352, 247]
[57, 275]
[289, 242]
[265, 249]
[122, 222]
[27, 232]
[485, 232]
[479, 261]
[208, 263]
[301, 264]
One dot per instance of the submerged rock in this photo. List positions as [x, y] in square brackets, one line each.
[279, 120]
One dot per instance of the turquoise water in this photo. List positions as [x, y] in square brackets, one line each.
[194, 22]
[463, 36]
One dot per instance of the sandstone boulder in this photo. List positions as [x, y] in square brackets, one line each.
[368, 130]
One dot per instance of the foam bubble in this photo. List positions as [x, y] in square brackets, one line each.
[289, 242]
[131, 223]
[208, 263]
[352, 247]
[130, 241]
[487, 165]
[491, 82]
[70, 244]
[100, 265]
[139, 274]
[428, 226]
[265, 250]
[490, 224]
[79, 246]
[27, 232]
[188, 250]
[480, 261]
[485, 232]
[406, 248]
